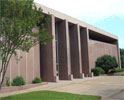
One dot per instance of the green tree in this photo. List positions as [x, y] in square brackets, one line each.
[107, 62]
[122, 61]
[121, 52]
[18, 19]
[122, 57]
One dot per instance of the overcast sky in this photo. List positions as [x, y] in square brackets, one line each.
[104, 14]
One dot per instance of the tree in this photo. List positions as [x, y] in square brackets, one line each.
[121, 52]
[18, 19]
[122, 57]
[107, 62]
[122, 61]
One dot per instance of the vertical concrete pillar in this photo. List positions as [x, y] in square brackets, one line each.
[76, 63]
[64, 51]
[80, 53]
[36, 60]
[29, 65]
[85, 51]
[48, 56]
[118, 53]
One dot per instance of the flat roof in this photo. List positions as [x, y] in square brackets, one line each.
[62, 16]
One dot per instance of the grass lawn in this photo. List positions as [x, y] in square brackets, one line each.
[50, 95]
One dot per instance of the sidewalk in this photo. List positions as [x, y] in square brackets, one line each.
[117, 96]
[108, 87]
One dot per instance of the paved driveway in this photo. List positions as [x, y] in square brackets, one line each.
[109, 87]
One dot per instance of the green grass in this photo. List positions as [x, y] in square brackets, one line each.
[50, 95]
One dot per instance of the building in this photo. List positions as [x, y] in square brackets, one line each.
[72, 53]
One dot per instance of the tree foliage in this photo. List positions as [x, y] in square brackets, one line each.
[18, 20]
[122, 57]
[107, 62]
[122, 61]
[121, 52]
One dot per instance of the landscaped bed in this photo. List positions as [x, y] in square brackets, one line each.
[117, 72]
[23, 87]
[50, 95]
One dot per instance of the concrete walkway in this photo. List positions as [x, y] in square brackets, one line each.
[116, 96]
[109, 87]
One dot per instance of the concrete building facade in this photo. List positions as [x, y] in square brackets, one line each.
[71, 54]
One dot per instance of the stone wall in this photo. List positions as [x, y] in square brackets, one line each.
[98, 49]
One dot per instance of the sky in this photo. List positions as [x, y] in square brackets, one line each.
[107, 15]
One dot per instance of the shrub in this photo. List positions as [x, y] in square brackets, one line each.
[37, 80]
[117, 70]
[18, 81]
[97, 71]
[107, 62]
[7, 81]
